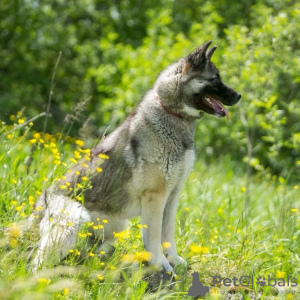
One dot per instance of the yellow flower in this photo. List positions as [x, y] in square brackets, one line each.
[90, 224]
[9, 136]
[104, 221]
[71, 251]
[199, 249]
[294, 210]
[66, 291]
[112, 267]
[21, 121]
[99, 170]
[14, 202]
[77, 172]
[139, 226]
[83, 235]
[295, 187]
[44, 280]
[57, 162]
[102, 263]
[143, 256]
[18, 208]
[62, 187]
[243, 189]
[70, 223]
[103, 156]
[12, 117]
[186, 208]
[84, 178]
[30, 123]
[77, 252]
[77, 155]
[280, 274]
[42, 141]
[74, 161]
[36, 135]
[14, 181]
[91, 254]
[79, 198]
[166, 245]
[32, 141]
[289, 296]
[14, 231]
[39, 193]
[79, 143]
[102, 252]
[100, 277]
[19, 113]
[84, 165]
[122, 234]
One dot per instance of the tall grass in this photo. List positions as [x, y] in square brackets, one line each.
[214, 232]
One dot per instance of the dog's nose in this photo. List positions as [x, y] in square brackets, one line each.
[239, 96]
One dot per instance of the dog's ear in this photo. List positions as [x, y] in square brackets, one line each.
[197, 58]
[210, 52]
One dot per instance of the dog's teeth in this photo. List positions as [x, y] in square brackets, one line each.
[207, 99]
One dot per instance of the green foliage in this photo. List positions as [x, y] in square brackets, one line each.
[214, 231]
[114, 51]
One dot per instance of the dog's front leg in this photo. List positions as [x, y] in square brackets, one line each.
[153, 204]
[168, 229]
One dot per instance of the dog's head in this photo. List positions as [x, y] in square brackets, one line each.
[195, 85]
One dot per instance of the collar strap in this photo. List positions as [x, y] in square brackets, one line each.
[167, 108]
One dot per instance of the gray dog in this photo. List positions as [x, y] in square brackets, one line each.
[150, 157]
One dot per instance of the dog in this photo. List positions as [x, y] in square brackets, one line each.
[149, 157]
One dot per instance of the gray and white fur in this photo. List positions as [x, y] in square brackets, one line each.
[150, 157]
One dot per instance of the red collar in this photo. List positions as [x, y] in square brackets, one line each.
[167, 108]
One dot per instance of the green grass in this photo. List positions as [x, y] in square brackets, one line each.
[216, 234]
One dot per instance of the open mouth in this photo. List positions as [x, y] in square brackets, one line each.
[217, 108]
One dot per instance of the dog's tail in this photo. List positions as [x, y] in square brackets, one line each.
[17, 230]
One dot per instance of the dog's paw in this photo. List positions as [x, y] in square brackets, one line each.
[175, 260]
[162, 264]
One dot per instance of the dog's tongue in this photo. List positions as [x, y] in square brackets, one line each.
[218, 107]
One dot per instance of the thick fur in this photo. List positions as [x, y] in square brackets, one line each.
[150, 157]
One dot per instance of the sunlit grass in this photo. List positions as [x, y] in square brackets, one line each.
[216, 232]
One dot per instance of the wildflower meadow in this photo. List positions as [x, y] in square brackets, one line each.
[71, 71]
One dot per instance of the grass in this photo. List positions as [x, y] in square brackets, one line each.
[215, 233]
